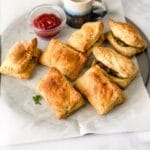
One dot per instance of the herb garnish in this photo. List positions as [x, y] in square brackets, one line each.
[37, 99]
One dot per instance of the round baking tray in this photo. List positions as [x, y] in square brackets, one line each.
[143, 58]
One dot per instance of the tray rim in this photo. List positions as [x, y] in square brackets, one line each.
[147, 52]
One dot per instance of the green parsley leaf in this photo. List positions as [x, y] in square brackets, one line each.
[37, 99]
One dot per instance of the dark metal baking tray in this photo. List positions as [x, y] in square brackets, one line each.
[144, 59]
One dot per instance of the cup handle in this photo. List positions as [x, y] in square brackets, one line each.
[99, 10]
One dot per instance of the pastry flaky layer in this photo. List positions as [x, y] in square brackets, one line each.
[125, 38]
[99, 90]
[84, 38]
[118, 68]
[21, 59]
[63, 57]
[60, 94]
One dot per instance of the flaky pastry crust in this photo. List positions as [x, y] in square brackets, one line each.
[99, 90]
[60, 94]
[86, 37]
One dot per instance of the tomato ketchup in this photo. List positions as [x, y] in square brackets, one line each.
[45, 25]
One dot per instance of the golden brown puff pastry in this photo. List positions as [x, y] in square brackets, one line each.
[21, 59]
[63, 57]
[122, 82]
[120, 47]
[100, 41]
[99, 90]
[85, 37]
[125, 38]
[60, 94]
[119, 68]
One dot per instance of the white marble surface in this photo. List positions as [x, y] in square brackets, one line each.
[139, 12]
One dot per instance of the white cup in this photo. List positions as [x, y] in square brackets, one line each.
[78, 7]
[80, 11]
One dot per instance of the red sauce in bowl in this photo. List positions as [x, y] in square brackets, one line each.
[44, 24]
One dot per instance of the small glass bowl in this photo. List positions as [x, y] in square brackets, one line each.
[51, 9]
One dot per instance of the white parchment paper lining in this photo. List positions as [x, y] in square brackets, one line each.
[21, 121]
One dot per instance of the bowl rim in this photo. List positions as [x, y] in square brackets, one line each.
[56, 7]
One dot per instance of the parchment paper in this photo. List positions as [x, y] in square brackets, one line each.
[21, 121]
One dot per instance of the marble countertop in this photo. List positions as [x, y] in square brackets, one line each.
[139, 13]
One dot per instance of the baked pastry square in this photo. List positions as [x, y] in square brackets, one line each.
[118, 68]
[60, 94]
[99, 90]
[63, 57]
[125, 38]
[21, 59]
[84, 38]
